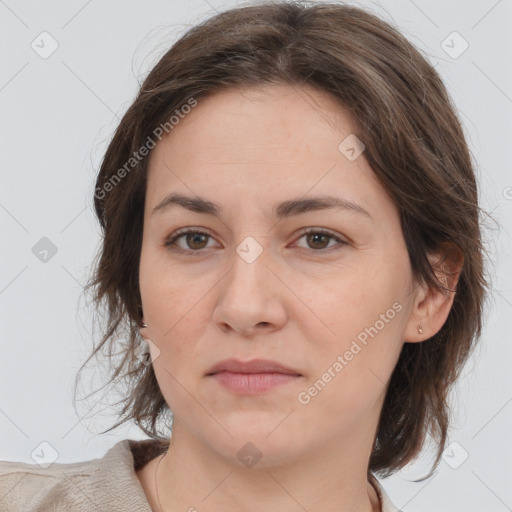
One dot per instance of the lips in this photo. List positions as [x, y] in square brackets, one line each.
[254, 366]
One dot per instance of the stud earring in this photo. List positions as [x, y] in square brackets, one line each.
[144, 325]
[420, 330]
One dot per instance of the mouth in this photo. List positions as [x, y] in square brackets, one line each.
[256, 366]
[252, 377]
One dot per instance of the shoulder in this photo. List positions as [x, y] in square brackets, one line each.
[106, 483]
[385, 501]
[30, 487]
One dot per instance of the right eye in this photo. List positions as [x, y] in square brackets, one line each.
[193, 237]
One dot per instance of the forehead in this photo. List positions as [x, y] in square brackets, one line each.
[258, 142]
[278, 120]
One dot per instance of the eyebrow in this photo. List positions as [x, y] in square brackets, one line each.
[282, 210]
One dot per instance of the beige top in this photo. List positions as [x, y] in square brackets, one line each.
[106, 484]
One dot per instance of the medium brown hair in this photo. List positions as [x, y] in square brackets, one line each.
[414, 143]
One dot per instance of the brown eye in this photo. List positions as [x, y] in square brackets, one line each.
[318, 240]
[194, 240]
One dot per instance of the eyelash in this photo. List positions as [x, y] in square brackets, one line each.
[171, 241]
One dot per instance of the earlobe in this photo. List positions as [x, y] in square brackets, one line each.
[416, 325]
[143, 328]
[433, 304]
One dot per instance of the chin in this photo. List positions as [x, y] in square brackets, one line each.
[258, 445]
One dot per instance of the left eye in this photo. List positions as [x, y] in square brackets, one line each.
[315, 236]
[195, 238]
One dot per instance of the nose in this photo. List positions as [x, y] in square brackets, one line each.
[251, 298]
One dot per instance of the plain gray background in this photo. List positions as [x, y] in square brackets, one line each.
[57, 116]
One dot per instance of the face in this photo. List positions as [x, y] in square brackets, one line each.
[325, 292]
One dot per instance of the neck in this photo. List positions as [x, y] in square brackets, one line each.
[192, 477]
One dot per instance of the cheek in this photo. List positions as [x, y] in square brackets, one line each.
[163, 290]
[359, 317]
[339, 307]
[352, 367]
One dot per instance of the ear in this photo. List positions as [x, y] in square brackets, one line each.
[431, 305]
[142, 329]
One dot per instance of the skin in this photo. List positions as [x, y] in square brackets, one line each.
[299, 303]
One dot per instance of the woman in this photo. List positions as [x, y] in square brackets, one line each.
[291, 225]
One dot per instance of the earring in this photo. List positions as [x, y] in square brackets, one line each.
[420, 330]
[143, 324]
